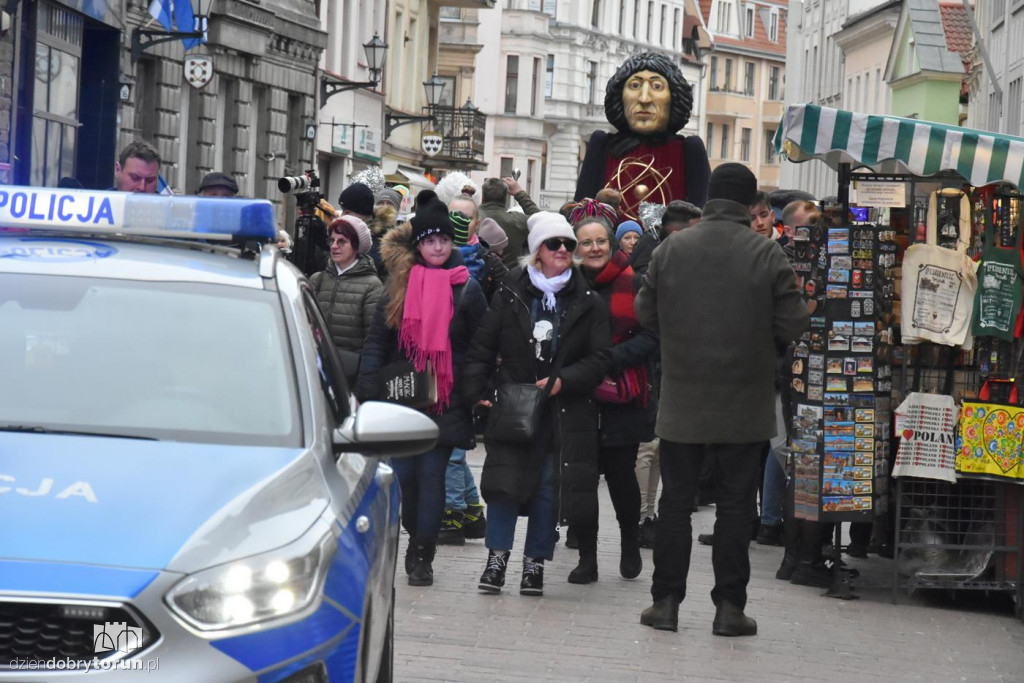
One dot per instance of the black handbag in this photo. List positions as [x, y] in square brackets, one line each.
[518, 409]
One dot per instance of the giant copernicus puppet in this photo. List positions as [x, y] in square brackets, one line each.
[648, 101]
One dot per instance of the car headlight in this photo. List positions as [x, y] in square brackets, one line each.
[257, 589]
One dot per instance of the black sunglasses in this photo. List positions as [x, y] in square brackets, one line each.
[555, 243]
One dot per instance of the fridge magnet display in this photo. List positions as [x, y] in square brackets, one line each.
[836, 292]
[815, 393]
[861, 384]
[837, 383]
[865, 364]
[835, 366]
[861, 345]
[839, 343]
[816, 362]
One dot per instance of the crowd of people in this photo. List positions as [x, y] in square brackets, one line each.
[655, 348]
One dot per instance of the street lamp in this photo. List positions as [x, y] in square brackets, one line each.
[376, 51]
[434, 90]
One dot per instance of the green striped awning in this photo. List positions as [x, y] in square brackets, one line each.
[890, 144]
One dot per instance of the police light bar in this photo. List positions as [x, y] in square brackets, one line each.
[150, 215]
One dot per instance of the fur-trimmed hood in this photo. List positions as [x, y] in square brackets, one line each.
[399, 255]
[384, 218]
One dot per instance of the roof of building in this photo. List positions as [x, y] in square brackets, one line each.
[879, 9]
[759, 41]
[930, 38]
[959, 33]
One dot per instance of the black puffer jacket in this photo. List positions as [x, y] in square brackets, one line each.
[348, 301]
[512, 471]
[455, 422]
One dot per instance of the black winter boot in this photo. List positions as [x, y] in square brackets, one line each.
[452, 532]
[731, 621]
[663, 615]
[474, 523]
[586, 570]
[533, 577]
[630, 562]
[423, 558]
[493, 577]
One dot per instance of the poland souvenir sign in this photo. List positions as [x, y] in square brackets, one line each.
[198, 71]
[431, 142]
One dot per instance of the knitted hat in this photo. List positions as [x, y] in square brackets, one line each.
[431, 217]
[392, 197]
[628, 226]
[734, 182]
[460, 223]
[544, 225]
[362, 232]
[589, 208]
[491, 234]
[357, 198]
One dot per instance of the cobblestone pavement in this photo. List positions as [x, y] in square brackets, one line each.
[451, 632]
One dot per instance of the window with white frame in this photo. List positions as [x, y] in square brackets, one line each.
[710, 138]
[724, 24]
[748, 78]
[745, 144]
[748, 21]
[773, 26]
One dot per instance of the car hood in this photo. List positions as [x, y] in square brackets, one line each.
[151, 504]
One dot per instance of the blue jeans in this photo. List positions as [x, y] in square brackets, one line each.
[422, 480]
[773, 493]
[503, 513]
[459, 485]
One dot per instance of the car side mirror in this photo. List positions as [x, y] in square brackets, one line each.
[386, 430]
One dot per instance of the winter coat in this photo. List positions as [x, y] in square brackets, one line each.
[513, 223]
[629, 423]
[384, 219]
[512, 470]
[721, 296]
[348, 301]
[381, 348]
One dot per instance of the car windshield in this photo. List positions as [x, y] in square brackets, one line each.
[165, 360]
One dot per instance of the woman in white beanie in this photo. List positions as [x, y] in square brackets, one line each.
[348, 288]
[543, 315]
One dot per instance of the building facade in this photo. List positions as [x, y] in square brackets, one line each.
[744, 84]
[79, 92]
[997, 68]
[551, 62]
[349, 134]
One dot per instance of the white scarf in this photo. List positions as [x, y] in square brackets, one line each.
[548, 286]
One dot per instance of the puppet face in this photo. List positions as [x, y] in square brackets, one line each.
[647, 98]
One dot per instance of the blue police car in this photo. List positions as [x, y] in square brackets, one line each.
[189, 492]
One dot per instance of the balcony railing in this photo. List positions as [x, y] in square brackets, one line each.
[464, 129]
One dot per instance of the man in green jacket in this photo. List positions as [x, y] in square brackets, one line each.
[721, 297]
[493, 204]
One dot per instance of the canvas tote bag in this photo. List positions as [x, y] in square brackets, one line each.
[939, 284]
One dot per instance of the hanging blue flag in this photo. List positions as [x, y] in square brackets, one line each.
[177, 15]
[161, 11]
[185, 19]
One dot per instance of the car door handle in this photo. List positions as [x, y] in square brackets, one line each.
[362, 524]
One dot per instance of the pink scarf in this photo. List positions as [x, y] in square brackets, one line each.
[427, 315]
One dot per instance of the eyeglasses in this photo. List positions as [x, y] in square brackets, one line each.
[587, 244]
[556, 243]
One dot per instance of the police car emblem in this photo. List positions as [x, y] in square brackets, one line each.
[431, 142]
[198, 71]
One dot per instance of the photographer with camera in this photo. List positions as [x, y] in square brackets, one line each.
[310, 249]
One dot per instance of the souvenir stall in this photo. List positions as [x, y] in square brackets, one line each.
[905, 389]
